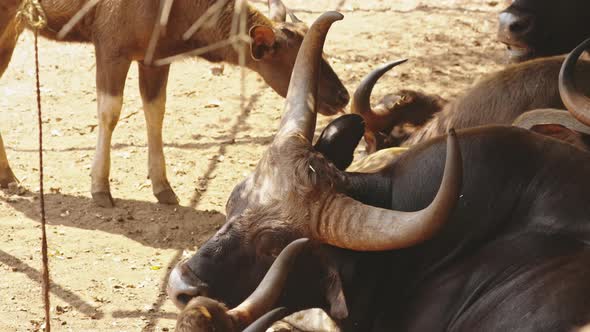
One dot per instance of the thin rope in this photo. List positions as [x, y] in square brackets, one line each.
[45, 260]
[32, 13]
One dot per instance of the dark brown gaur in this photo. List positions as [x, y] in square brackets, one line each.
[295, 189]
[340, 220]
[522, 209]
[397, 115]
[121, 31]
[203, 314]
[497, 98]
[541, 28]
[574, 99]
[294, 185]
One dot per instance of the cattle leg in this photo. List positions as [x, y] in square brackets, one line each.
[6, 175]
[152, 85]
[9, 32]
[111, 73]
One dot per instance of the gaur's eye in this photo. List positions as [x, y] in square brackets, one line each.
[288, 33]
[268, 243]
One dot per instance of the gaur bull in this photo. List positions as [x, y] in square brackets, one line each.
[539, 28]
[203, 314]
[503, 245]
[121, 30]
[498, 98]
[507, 250]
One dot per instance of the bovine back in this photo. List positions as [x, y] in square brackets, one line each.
[501, 97]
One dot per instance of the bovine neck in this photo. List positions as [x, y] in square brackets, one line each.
[495, 202]
[435, 127]
[222, 31]
[369, 188]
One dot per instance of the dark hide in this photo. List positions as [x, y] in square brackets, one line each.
[538, 28]
[515, 254]
[339, 139]
[501, 97]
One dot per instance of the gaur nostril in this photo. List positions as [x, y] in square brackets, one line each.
[180, 297]
[519, 26]
[183, 285]
[345, 97]
[515, 24]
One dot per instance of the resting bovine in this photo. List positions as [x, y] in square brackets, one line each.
[498, 98]
[120, 31]
[508, 250]
[537, 28]
[203, 314]
[397, 115]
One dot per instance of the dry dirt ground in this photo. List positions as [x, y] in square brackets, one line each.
[109, 266]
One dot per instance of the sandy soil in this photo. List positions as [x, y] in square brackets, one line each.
[109, 266]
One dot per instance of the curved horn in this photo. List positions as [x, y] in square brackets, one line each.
[347, 223]
[528, 120]
[277, 11]
[271, 286]
[264, 322]
[300, 115]
[361, 100]
[575, 101]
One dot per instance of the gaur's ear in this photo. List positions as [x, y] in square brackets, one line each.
[332, 286]
[335, 297]
[340, 138]
[277, 11]
[263, 40]
[561, 133]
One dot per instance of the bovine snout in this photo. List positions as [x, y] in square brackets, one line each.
[516, 30]
[333, 100]
[515, 24]
[332, 94]
[183, 285]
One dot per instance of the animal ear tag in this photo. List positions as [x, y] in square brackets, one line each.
[263, 40]
[204, 311]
